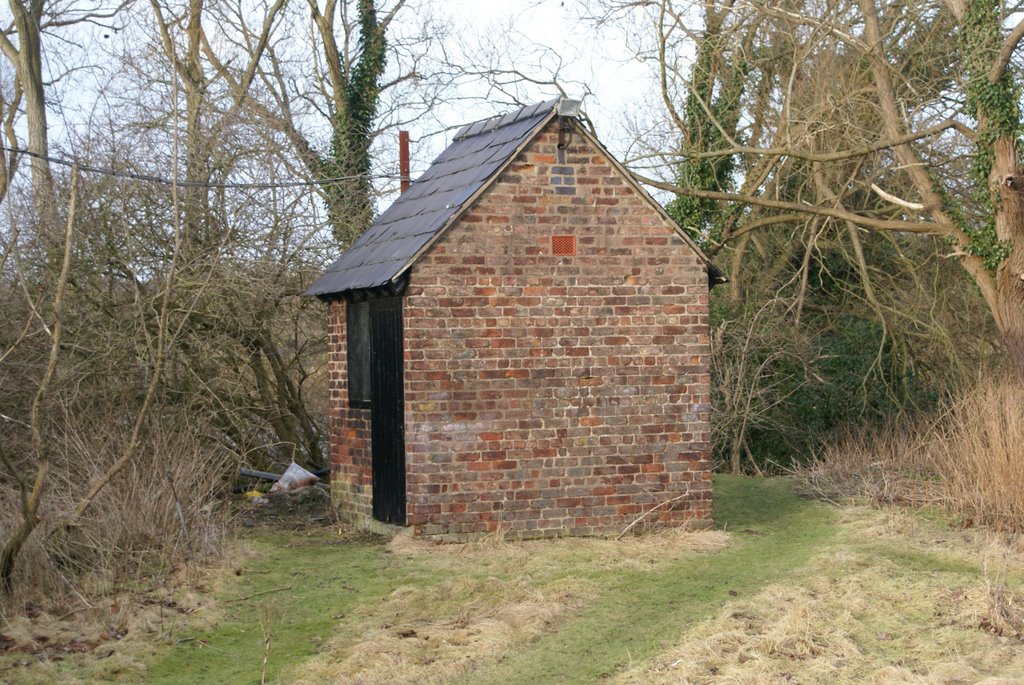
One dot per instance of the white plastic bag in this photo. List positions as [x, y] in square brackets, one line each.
[293, 478]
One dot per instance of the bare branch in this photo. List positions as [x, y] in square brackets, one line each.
[7, 47]
[925, 227]
[32, 499]
[838, 155]
[1006, 53]
[93, 17]
[888, 197]
[922, 180]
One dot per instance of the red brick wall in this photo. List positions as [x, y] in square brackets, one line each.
[348, 429]
[552, 395]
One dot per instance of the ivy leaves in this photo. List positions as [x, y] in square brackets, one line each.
[995, 106]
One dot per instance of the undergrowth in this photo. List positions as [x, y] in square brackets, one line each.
[967, 459]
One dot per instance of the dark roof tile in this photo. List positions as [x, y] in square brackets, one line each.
[478, 151]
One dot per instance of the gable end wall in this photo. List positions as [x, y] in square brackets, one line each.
[552, 395]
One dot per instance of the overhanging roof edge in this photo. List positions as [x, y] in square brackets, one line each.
[471, 200]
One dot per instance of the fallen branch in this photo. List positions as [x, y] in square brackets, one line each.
[264, 592]
[651, 511]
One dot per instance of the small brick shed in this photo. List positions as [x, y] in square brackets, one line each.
[520, 342]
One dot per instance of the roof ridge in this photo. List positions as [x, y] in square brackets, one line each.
[499, 120]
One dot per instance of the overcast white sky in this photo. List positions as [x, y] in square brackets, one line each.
[599, 58]
[596, 57]
[537, 37]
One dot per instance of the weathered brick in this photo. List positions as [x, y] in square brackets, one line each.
[546, 395]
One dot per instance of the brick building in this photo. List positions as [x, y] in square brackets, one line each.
[520, 342]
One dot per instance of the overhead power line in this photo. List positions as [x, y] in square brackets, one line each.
[149, 178]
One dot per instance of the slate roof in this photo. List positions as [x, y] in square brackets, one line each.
[477, 153]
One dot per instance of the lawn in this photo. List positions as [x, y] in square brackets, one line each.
[785, 589]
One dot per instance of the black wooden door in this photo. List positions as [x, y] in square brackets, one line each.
[387, 410]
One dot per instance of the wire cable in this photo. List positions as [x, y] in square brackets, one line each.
[149, 178]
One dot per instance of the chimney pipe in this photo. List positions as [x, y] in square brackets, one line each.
[403, 159]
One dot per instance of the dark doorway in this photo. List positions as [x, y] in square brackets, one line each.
[387, 410]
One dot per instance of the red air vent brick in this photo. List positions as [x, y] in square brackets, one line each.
[563, 245]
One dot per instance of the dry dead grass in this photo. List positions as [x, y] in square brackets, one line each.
[92, 602]
[156, 515]
[634, 552]
[112, 639]
[968, 460]
[855, 616]
[435, 633]
[891, 598]
[425, 645]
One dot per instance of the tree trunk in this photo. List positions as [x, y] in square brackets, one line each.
[28, 65]
[197, 149]
[1009, 218]
[737, 447]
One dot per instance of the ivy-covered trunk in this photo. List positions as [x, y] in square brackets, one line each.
[1007, 181]
[993, 100]
[356, 94]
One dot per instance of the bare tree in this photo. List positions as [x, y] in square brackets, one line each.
[22, 45]
[757, 362]
[32, 485]
[899, 119]
[346, 58]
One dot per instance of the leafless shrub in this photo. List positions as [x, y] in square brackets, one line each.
[158, 513]
[967, 459]
[756, 362]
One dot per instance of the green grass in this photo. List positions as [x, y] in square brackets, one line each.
[340, 609]
[632, 616]
[296, 592]
[638, 613]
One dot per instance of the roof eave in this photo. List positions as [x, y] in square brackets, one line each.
[471, 200]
